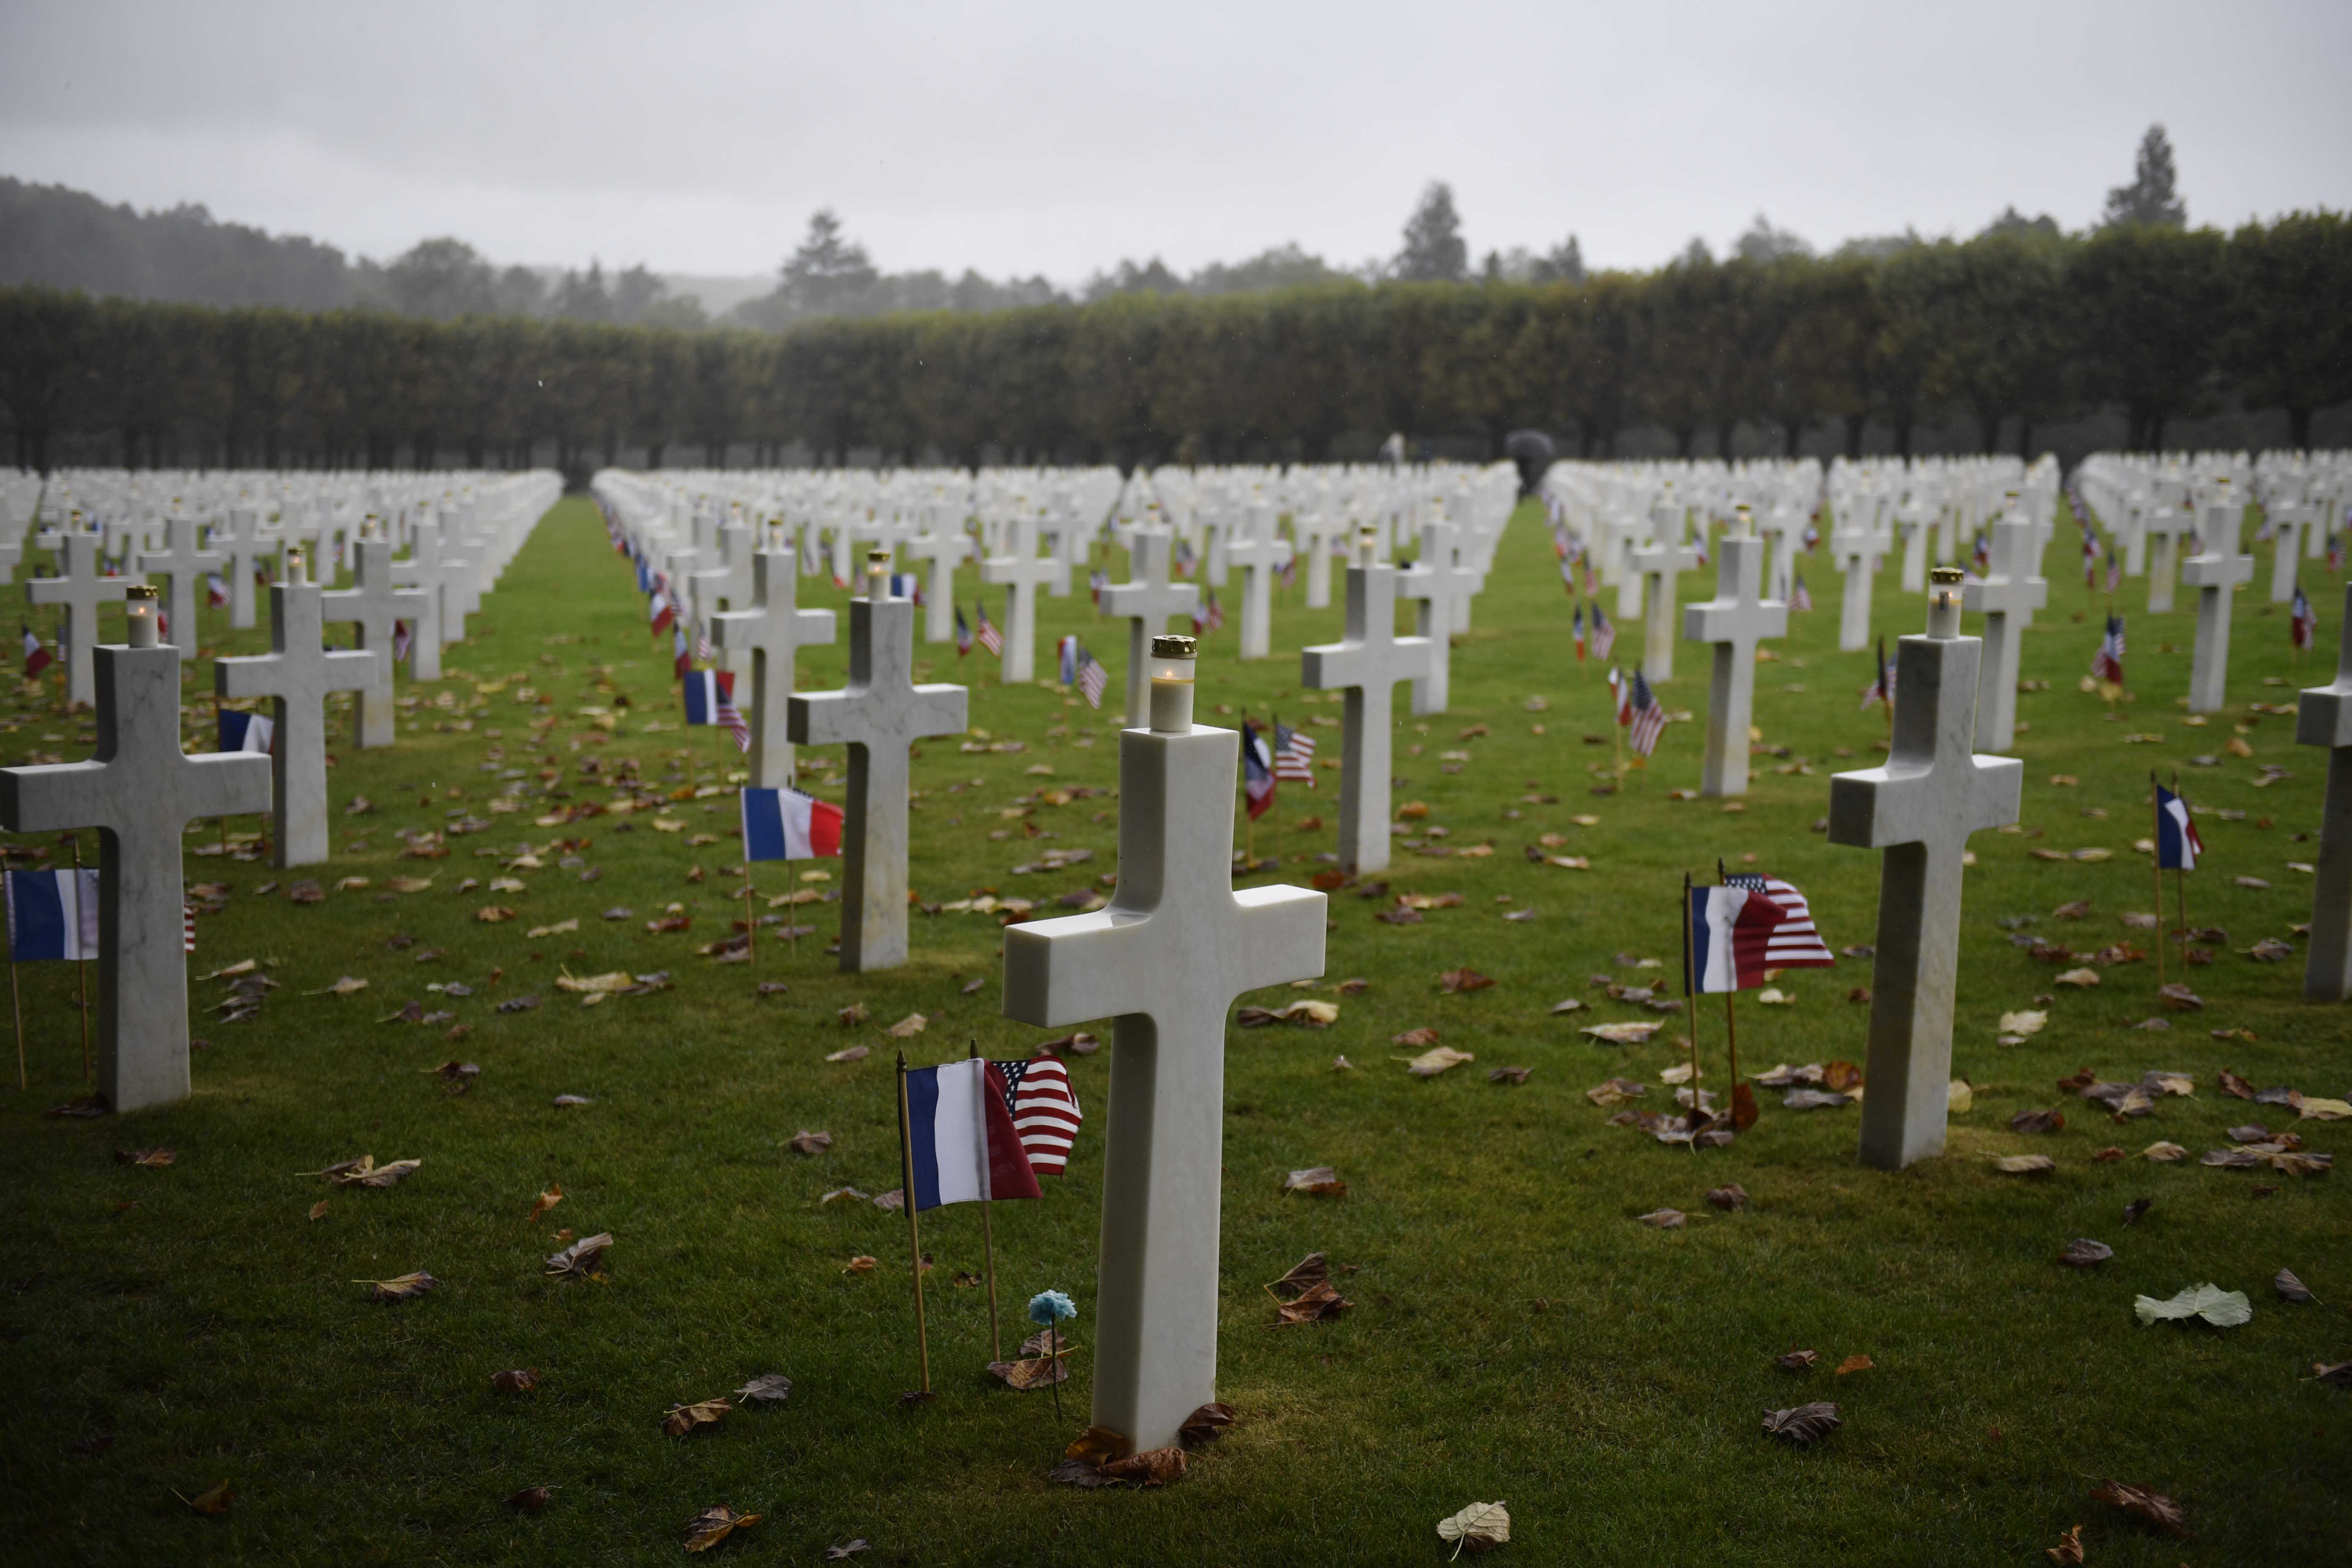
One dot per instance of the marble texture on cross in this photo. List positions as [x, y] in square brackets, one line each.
[2215, 573]
[139, 790]
[1734, 621]
[1165, 961]
[1660, 563]
[2007, 599]
[1438, 584]
[240, 542]
[2164, 526]
[441, 612]
[373, 604]
[2323, 718]
[1260, 553]
[80, 587]
[1918, 810]
[2287, 518]
[1368, 661]
[1148, 602]
[878, 715]
[941, 551]
[774, 628]
[1022, 570]
[296, 676]
[1855, 549]
[182, 562]
[1315, 531]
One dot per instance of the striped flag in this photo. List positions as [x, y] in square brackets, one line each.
[660, 611]
[1882, 688]
[1045, 1110]
[1066, 653]
[964, 634]
[2115, 572]
[1604, 632]
[1730, 932]
[788, 824]
[1294, 755]
[1257, 770]
[1216, 612]
[1093, 678]
[2107, 664]
[679, 662]
[2302, 627]
[404, 638]
[991, 639]
[246, 732]
[2335, 552]
[1579, 627]
[216, 590]
[1796, 943]
[1096, 581]
[728, 718]
[2176, 843]
[961, 1143]
[1621, 712]
[1799, 597]
[1649, 719]
[36, 657]
[51, 914]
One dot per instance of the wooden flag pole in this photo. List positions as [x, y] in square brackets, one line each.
[988, 1245]
[1731, 1046]
[914, 1238]
[16, 1007]
[81, 966]
[751, 921]
[1690, 1006]
[2156, 867]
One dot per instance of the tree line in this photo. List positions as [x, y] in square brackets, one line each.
[2011, 330]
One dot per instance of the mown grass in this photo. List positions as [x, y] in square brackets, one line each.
[1516, 1334]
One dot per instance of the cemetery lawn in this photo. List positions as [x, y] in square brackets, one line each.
[1515, 1333]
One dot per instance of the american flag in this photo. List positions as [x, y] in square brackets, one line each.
[1577, 626]
[991, 638]
[1882, 689]
[1287, 572]
[1795, 943]
[1184, 562]
[728, 717]
[1568, 575]
[1097, 580]
[2115, 572]
[37, 657]
[1045, 1111]
[1604, 633]
[1799, 597]
[1294, 755]
[1619, 696]
[1216, 612]
[1648, 719]
[2107, 664]
[964, 634]
[403, 637]
[702, 648]
[187, 928]
[1983, 556]
[1093, 678]
[216, 590]
[2303, 629]
[810, 562]
[1257, 770]
[2335, 552]
[679, 662]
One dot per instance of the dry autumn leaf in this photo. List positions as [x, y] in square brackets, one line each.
[582, 1259]
[682, 1419]
[2222, 1309]
[1802, 1424]
[715, 1524]
[2153, 1507]
[493, 914]
[401, 1288]
[1728, 1197]
[1665, 1219]
[1097, 1446]
[1151, 1468]
[1319, 1304]
[544, 1202]
[530, 1499]
[2025, 1165]
[768, 1388]
[908, 1027]
[1320, 1180]
[861, 1264]
[1438, 1059]
[1796, 1360]
[214, 1499]
[1856, 1363]
[151, 1159]
[2069, 1548]
[1205, 1425]
[1463, 980]
[807, 1142]
[1481, 1527]
[519, 1381]
[319, 1209]
[2083, 1253]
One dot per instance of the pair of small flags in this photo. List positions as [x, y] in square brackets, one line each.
[53, 916]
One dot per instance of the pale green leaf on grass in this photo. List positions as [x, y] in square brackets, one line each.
[2222, 1309]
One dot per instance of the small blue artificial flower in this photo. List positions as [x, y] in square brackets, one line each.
[1049, 1307]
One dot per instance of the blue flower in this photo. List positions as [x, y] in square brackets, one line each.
[1049, 1306]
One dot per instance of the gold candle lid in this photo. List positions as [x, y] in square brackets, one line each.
[141, 591]
[1173, 644]
[1947, 574]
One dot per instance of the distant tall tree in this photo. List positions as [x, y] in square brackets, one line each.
[1762, 242]
[582, 296]
[1282, 266]
[1127, 277]
[1696, 254]
[441, 279]
[520, 292]
[1434, 251]
[827, 275]
[634, 293]
[2290, 336]
[2013, 222]
[2150, 200]
[1563, 263]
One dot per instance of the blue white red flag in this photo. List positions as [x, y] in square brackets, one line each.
[37, 657]
[2302, 627]
[2176, 843]
[706, 690]
[1799, 596]
[1257, 770]
[1577, 623]
[246, 733]
[964, 634]
[1067, 654]
[1731, 939]
[962, 1145]
[1796, 941]
[51, 914]
[786, 825]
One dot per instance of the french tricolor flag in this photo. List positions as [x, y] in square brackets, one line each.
[907, 585]
[246, 732]
[785, 825]
[961, 1146]
[51, 914]
[706, 689]
[1730, 938]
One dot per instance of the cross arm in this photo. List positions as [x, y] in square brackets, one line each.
[51, 798]
[1276, 936]
[1996, 791]
[222, 784]
[61, 590]
[940, 709]
[826, 717]
[1074, 969]
[811, 628]
[1869, 807]
[1724, 620]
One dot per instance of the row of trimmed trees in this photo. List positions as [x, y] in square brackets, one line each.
[2158, 324]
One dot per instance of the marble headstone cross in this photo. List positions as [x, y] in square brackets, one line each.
[1022, 570]
[877, 716]
[1733, 621]
[1440, 586]
[1368, 661]
[1164, 961]
[441, 615]
[1855, 549]
[240, 543]
[2007, 598]
[2288, 518]
[296, 676]
[1919, 810]
[1660, 563]
[373, 606]
[1315, 530]
[1259, 551]
[729, 580]
[1146, 603]
[775, 630]
[2323, 718]
[182, 562]
[2164, 524]
[81, 586]
[940, 550]
[2215, 573]
[139, 790]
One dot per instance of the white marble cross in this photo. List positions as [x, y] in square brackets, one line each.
[81, 586]
[877, 716]
[940, 550]
[1919, 810]
[1164, 961]
[1022, 570]
[240, 543]
[1734, 620]
[139, 790]
[2216, 572]
[1659, 565]
[1259, 551]
[1855, 547]
[2288, 518]
[182, 561]
[2164, 526]
[373, 604]
[1315, 530]
[774, 629]
[296, 676]
[1146, 603]
[1441, 586]
[441, 613]
[2323, 718]
[729, 580]
[1368, 661]
[2007, 599]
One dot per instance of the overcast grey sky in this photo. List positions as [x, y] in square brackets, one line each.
[1058, 137]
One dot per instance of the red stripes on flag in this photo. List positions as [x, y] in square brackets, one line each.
[1045, 1111]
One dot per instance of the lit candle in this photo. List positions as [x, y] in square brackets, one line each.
[877, 575]
[1172, 684]
[1944, 602]
[141, 601]
[295, 573]
[1368, 547]
[1747, 522]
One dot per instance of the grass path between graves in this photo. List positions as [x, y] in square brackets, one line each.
[1516, 1334]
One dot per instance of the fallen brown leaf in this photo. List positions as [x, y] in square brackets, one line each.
[1311, 1270]
[1321, 1179]
[1205, 1425]
[685, 1418]
[715, 1524]
[582, 1259]
[2069, 1548]
[1665, 1219]
[1856, 1363]
[807, 1142]
[319, 1209]
[1151, 1468]
[404, 1288]
[149, 1158]
[214, 1499]
[1098, 1444]
[516, 1382]
[545, 1201]
[530, 1499]
[2153, 1507]
[1801, 1425]
[769, 1388]
[1796, 1360]
[1731, 1195]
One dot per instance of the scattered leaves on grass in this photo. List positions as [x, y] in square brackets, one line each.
[519, 1381]
[2079, 977]
[1481, 1527]
[583, 1260]
[2179, 998]
[861, 1264]
[2134, 1209]
[908, 1027]
[2025, 1165]
[1463, 980]
[364, 1172]
[2317, 1110]
[1321, 1179]
[1321, 1302]
[1802, 1424]
[2230, 1083]
[1438, 1059]
[319, 1209]
[1728, 1197]
[715, 1524]
[849, 1054]
[1508, 1074]
[2069, 1548]
[769, 1388]
[2154, 1507]
[1616, 1091]
[849, 1017]
[544, 1202]
[1030, 1373]
[401, 1288]
[2163, 1153]
[1151, 1468]
[1622, 1034]
[493, 914]
[847, 1549]
[1665, 1219]
[1855, 1362]
[2222, 1309]
[2338, 1375]
[1097, 1446]
[2083, 1253]
[807, 1142]
[2038, 1121]
[1796, 1360]
[151, 1159]
[685, 1418]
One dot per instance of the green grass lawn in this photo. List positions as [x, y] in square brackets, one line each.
[1516, 1334]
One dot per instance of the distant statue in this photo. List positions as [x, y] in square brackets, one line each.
[1532, 451]
[1393, 449]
